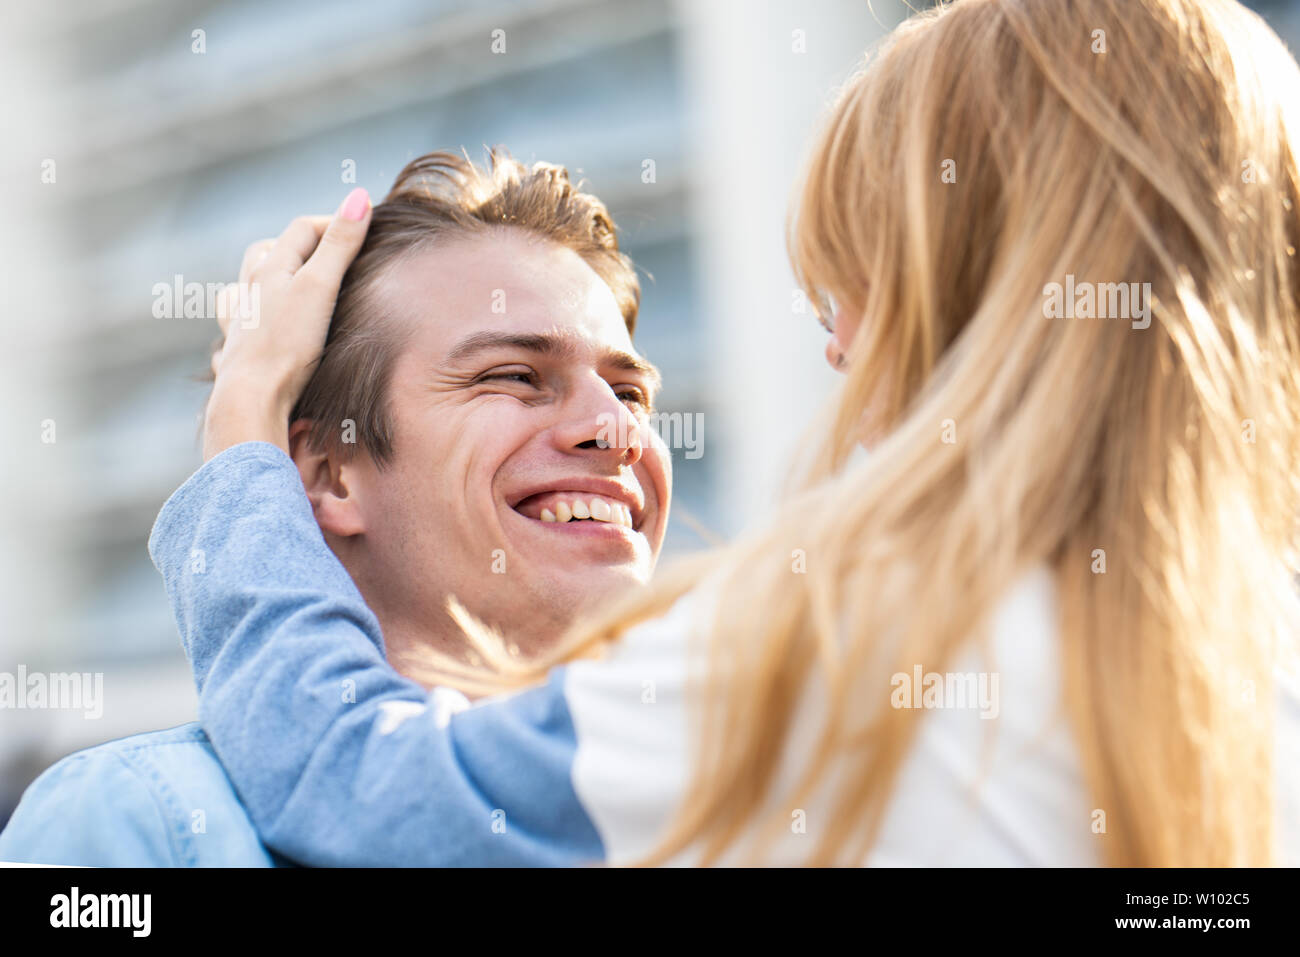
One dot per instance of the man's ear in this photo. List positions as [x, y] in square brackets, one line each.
[330, 484]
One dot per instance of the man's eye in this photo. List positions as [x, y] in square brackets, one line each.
[525, 378]
[634, 396]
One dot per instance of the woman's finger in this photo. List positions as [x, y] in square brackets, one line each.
[322, 274]
[253, 255]
[227, 305]
[294, 245]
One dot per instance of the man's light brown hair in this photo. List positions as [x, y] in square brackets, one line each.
[438, 197]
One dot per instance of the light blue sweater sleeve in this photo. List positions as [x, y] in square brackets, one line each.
[339, 760]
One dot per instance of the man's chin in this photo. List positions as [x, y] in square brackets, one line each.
[585, 590]
[532, 607]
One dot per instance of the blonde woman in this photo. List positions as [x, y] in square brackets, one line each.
[1049, 620]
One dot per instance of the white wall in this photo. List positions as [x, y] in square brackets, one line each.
[754, 103]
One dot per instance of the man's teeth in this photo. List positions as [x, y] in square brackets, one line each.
[597, 509]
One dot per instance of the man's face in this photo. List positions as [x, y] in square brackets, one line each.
[517, 370]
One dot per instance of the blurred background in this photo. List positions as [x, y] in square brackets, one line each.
[149, 139]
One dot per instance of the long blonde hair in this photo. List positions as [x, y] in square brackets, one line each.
[989, 149]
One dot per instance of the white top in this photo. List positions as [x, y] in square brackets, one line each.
[1002, 790]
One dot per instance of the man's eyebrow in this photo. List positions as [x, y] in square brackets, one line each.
[483, 341]
[550, 345]
[630, 363]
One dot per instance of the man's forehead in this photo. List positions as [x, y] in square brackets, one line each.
[501, 282]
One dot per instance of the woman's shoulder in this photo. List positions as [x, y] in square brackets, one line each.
[994, 777]
[1000, 781]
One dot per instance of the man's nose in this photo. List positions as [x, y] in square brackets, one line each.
[597, 420]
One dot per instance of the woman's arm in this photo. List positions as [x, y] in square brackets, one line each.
[340, 760]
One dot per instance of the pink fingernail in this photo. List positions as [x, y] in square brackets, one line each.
[355, 206]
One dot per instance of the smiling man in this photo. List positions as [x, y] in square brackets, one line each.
[482, 349]
[454, 443]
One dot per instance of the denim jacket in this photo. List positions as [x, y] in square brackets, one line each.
[160, 799]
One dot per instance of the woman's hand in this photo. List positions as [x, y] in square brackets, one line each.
[275, 322]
